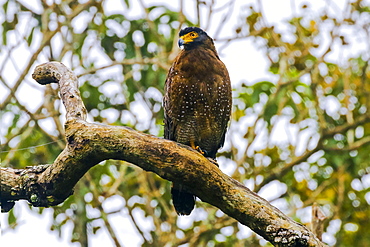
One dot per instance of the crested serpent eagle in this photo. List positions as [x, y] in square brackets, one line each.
[197, 103]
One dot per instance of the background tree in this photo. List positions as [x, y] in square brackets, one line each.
[303, 132]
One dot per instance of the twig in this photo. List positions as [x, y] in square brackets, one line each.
[317, 222]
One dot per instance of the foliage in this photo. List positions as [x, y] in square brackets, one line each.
[304, 130]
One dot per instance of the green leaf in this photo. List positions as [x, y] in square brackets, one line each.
[12, 219]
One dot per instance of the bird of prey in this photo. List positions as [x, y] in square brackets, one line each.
[197, 103]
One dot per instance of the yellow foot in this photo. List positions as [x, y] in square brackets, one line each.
[192, 145]
[199, 149]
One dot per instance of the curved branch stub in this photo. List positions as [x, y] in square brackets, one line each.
[56, 72]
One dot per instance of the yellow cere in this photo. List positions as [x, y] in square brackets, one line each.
[189, 37]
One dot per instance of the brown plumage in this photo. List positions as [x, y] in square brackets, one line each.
[197, 102]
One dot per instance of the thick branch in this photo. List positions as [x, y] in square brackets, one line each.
[89, 144]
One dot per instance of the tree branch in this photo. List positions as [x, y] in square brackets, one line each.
[88, 144]
[317, 222]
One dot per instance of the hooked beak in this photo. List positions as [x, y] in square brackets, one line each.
[181, 42]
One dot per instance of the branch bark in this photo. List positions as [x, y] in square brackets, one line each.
[88, 144]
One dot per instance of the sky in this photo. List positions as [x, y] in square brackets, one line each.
[237, 56]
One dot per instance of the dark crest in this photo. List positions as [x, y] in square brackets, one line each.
[191, 29]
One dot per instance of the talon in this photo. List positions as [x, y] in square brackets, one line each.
[199, 149]
[192, 145]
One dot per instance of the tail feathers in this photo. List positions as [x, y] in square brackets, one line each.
[183, 201]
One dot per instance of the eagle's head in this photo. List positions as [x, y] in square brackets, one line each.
[191, 37]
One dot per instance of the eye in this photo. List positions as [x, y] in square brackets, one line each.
[192, 34]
